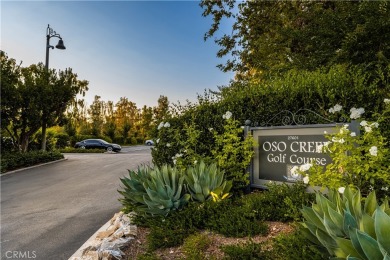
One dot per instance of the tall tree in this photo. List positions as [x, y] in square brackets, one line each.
[161, 112]
[146, 121]
[110, 124]
[126, 115]
[33, 97]
[96, 115]
[56, 95]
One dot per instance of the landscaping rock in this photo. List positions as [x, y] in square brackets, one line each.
[108, 243]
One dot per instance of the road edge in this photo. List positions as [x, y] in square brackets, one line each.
[34, 166]
[78, 255]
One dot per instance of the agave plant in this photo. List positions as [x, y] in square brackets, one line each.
[346, 228]
[206, 181]
[134, 190]
[154, 191]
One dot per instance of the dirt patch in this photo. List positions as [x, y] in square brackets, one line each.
[138, 245]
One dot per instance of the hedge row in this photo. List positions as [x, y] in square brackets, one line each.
[12, 161]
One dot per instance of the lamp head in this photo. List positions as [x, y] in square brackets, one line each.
[60, 45]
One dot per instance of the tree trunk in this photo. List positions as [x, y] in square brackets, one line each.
[24, 143]
[43, 146]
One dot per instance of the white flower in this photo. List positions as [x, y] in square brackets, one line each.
[385, 188]
[211, 129]
[160, 125]
[158, 140]
[174, 161]
[335, 109]
[325, 132]
[374, 151]
[195, 162]
[168, 145]
[387, 101]
[227, 115]
[375, 124]
[368, 129]
[167, 124]
[306, 179]
[305, 167]
[341, 141]
[353, 134]
[356, 112]
[294, 172]
[319, 148]
[341, 190]
[178, 155]
[363, 123]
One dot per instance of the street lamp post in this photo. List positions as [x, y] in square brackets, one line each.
[50, 33]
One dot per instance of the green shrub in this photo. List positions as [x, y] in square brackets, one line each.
[294, 246]
[247, 251]
[79, 150]
[226, 217]
[183, 145]
[12, 161]
[346, 228]
[7, 144]
[230, 219]
[195, 245]
[36, 143]
[171, 230]
[62, 141]
[154, 191]
[281, 202]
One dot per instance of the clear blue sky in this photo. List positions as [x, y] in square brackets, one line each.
[134, 49]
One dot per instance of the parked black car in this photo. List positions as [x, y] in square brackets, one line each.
[98, 144]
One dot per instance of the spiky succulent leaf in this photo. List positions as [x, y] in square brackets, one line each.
[370, 204]
[356, 243]
[203, 179]
[382, 230]
[345, 248]
[369, 245]
[154, 191]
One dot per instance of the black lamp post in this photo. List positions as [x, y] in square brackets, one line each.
[49, 34]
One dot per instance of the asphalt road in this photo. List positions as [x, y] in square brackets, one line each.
[48, 212]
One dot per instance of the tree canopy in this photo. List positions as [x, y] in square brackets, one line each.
[33, 97]
[275, 36]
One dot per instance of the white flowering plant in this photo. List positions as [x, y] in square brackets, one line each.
[229, 149]
[362, 161]
[233, 152]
